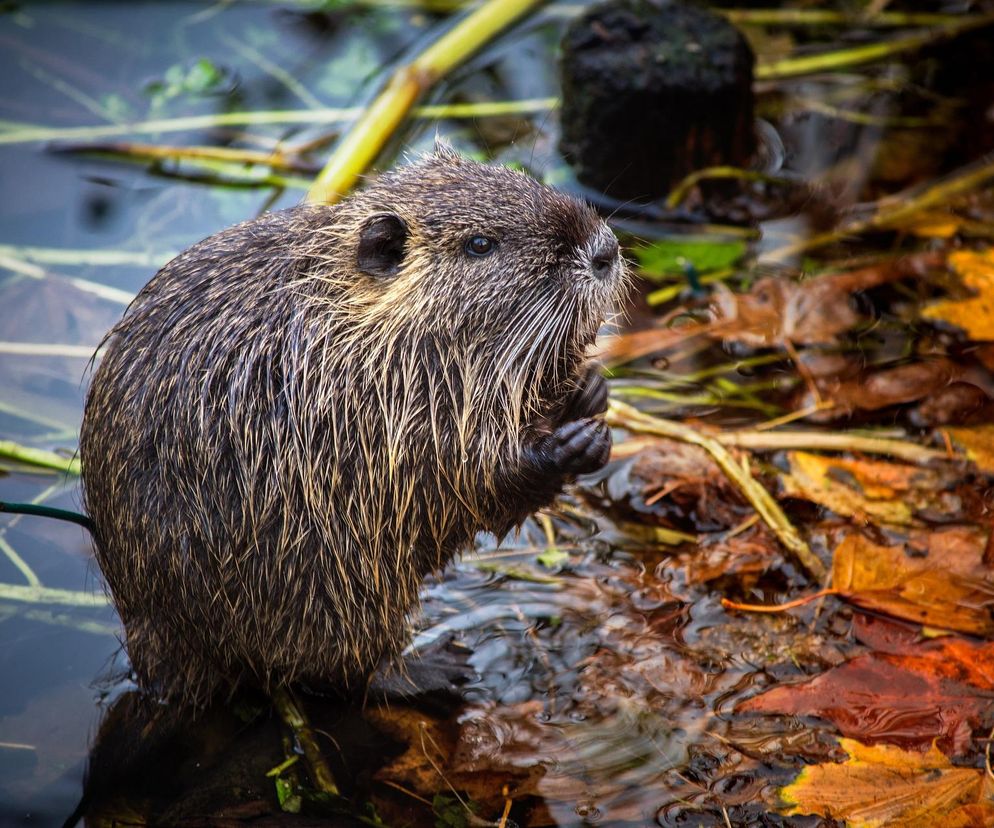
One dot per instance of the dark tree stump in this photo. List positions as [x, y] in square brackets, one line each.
[651, 92]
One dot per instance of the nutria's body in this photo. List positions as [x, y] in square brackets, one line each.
[303, 415]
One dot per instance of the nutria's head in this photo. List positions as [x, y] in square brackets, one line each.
[482, 255]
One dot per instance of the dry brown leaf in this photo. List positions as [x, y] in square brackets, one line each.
[817, 310]
[891, 386]
[885, 785]
[776, 311]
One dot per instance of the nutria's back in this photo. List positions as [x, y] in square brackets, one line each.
[303, 415]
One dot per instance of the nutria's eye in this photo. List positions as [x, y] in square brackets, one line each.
[480, 245]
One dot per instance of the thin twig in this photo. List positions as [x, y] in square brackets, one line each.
[406, 792]
[894, 211]
[423, 732]
[275, 71]
[829, 17]
[987, 758]
[626, 416]
[507, 808]
[681, 190]
[19, 563]
[824, 441]
[867, 53]
[792, 416]
[787, 605]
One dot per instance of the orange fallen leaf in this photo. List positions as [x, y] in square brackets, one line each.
[936, 224]
[885, 785]
[937, 694]
[975, 315]
[953, 659]
[948, 656]
[864, 489]
[949, 588]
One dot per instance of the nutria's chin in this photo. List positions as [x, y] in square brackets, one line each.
[303, 415]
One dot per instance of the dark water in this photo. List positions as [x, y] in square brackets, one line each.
[612, 670]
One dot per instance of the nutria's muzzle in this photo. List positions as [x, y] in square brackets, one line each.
[605, 261]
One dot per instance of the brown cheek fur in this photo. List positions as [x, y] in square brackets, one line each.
[277, 449]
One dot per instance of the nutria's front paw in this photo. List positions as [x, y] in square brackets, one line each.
[590, 397]
[579, 447]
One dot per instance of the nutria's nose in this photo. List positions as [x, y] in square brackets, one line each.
[605, 257]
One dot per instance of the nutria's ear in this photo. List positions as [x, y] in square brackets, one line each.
[381, 245]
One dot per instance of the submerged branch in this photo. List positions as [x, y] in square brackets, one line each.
[39, 457]
[12, 132]
[77, 256]
[62, 619]
[49, 595]
[293, 715]
[33, 271]
[277, 159]
[18, 562]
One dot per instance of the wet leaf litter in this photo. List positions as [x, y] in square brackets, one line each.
[626, 672]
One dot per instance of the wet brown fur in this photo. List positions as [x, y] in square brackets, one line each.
[278, 448]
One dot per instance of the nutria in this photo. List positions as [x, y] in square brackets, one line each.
[303, 415]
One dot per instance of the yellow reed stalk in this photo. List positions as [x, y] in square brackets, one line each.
[363, 142]
[625, 416]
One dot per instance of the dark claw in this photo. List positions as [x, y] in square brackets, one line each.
[579, 447]
[590, 397]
